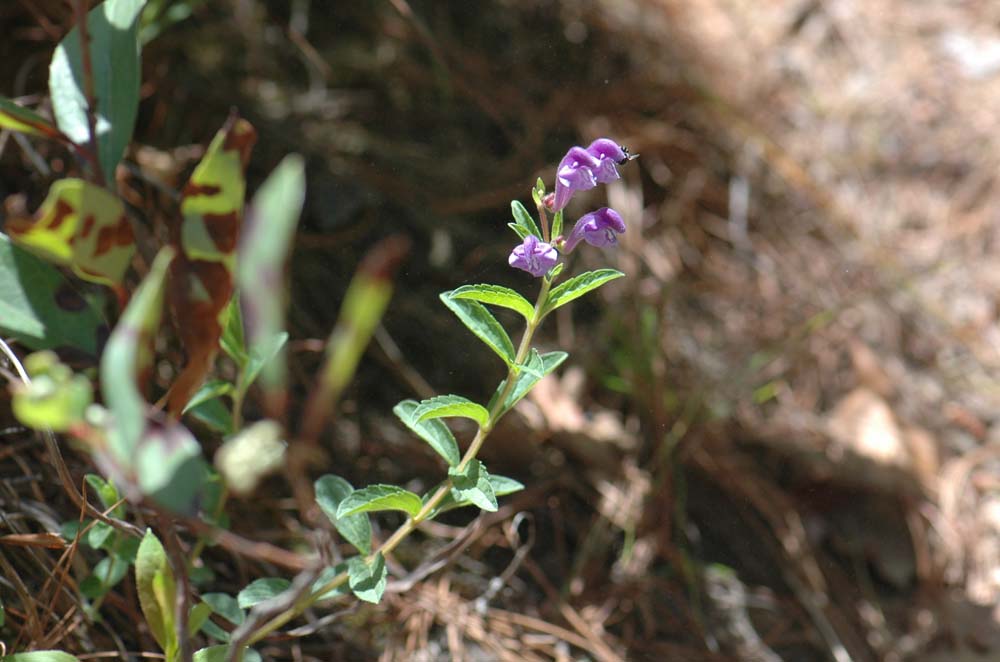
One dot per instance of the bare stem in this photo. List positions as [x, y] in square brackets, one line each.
[80, 13]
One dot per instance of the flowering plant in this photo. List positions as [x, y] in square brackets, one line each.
[222, 279]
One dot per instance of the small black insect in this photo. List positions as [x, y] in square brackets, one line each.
[628, 157]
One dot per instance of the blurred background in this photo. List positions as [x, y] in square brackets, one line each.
[776, 439]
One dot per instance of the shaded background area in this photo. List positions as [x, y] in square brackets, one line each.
[775, 440]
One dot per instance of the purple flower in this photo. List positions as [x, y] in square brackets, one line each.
[598, 228]
[534, 256]
[575, 173]
[608, 153]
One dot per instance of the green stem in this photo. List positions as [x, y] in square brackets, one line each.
[428, 509]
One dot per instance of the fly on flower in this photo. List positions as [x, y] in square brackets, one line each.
[582, 169]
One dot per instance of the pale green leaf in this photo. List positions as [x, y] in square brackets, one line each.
[576, 287]
[482, 323]
[496, 295]
[367, 580]
[379, 497]
[443, 406]
[473, 484]
[357, 529]
[112, 28]
[260, 590]
[154, 582]
[434, 432]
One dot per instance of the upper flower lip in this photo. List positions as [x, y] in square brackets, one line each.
[583, 169]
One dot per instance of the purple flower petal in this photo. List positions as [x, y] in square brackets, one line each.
[608, 153]
[575, 173]
[534, 256]
[598, 228]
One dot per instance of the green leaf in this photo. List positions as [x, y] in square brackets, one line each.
[107, 493]
[260, 590]
[379, 497]
[42, 308]
[523, 219]
[24, 120]
[325, 577]
[245, 459]
[127, 358]
[154, 582]
[521, 232]
[482, 323]
[498, 296]
[210, 390]
[232, 340]
[443, 406]
[218, 654]
[225, 606]
[56, 398]
[40, 656]
[170, 467]
[472, 484]
[576, 287]
[265, 243]
[434, 432]
[367, 580]
[99, 536]
[112, 28]
[501, 486]
[108, 572]
[555, 271]
[261, 355]
[536, 367]
[82, 226]
[357, 529]
[557, 223]
[215, 414]
[198, 616]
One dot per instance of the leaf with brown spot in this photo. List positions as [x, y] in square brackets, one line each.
[81, 226]
[202, 275]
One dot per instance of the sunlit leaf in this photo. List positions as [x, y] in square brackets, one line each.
[42, 308]
[364, 304]
[260, 590]
[501, 485]
[225, 606]
[576, 287]
[55, 399]
[112, 29]
[219, 654]
[536, 367]
[154, 581]
[432, 431]
[81, 226]
[367, 579]
[524, 220]
[357, 529]
[472, 484]
[379, 497]
[21, 119]
[263, 253]
[482, 323]
[444, 406]
[202, 275]
[498, 296]
[40, 656]
[128, 358]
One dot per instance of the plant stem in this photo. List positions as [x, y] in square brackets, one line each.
[428, 509]
[80, 7]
